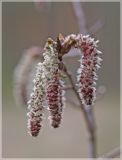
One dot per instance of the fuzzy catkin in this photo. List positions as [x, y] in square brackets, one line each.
[35, 104]
[55, 100]
[87, 73]
[44, 76]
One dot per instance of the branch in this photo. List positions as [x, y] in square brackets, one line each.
[67, 87]
[22, 72]
[112, 154]
[96, 27]
[88, 115]
[101, 90]
[82, 23]
[79, 13]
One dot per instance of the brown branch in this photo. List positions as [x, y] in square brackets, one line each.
[88, 115]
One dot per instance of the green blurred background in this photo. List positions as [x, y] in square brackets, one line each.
[26, 24]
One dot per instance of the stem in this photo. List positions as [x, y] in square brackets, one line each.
[89, 118]
[80, 16]
[92, 128]
[96, 27]
[115, 153]
[67, 87]
[82, 22]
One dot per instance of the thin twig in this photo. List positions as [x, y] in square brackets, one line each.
[82, 23]
[92, 136]
[100, 92]
[96, 27]
[67, 87]
[88, 115]
[112, 154]
[78, 10]
[22, 72]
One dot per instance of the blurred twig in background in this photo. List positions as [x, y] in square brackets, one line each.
[82, 22]
[115, 153]
[22, 72]
[96, 27]
[89, 118]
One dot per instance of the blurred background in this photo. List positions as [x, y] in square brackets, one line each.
[27, 24]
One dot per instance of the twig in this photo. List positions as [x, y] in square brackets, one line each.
[96, 27]
[78, 10]
[92, 134]
[82, 23]
[67, 87]
[22, 72]
[100, 91]
[112, 154]
[88, 115]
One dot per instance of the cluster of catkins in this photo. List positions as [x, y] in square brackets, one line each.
[48, 83]
[48, 86]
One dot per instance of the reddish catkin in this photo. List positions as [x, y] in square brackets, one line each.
[34, 122]
[44, 75]
[89, 64]
[55, 100]
[35, 105]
